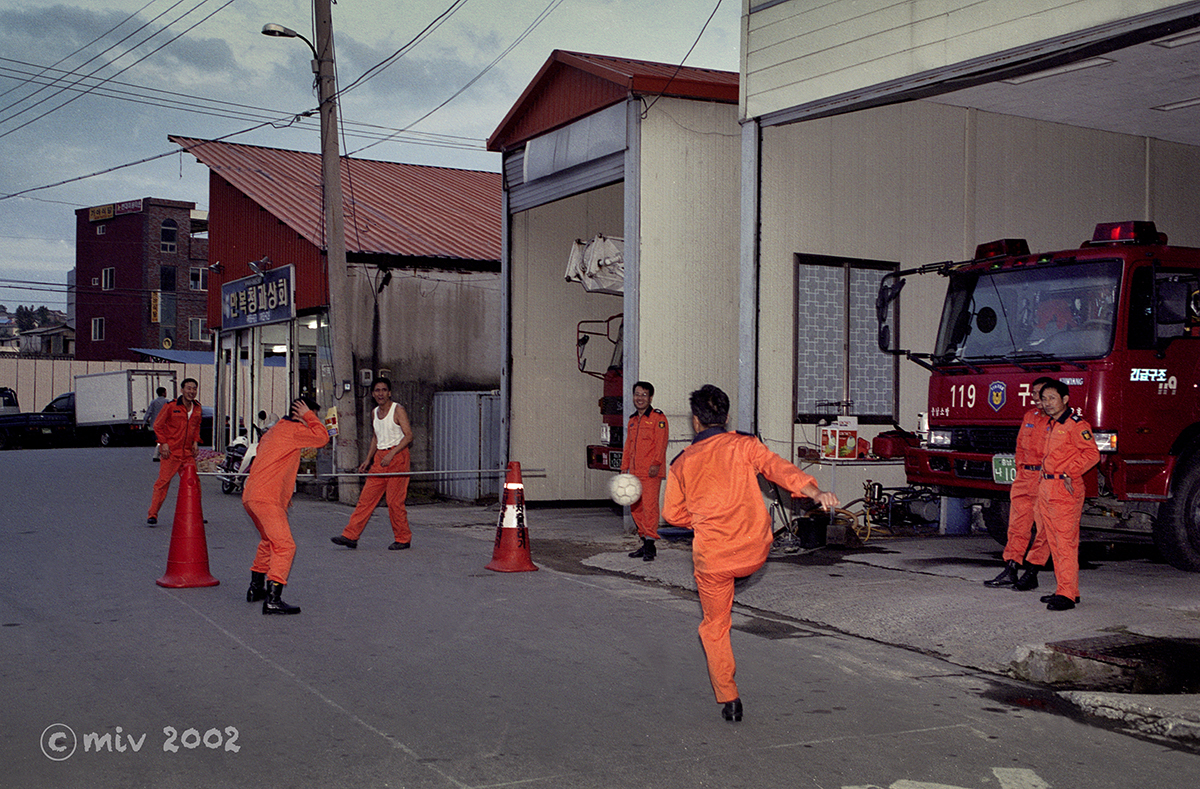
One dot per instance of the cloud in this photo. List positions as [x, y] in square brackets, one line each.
[226, 58]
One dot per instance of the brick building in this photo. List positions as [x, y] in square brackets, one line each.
[141, 278]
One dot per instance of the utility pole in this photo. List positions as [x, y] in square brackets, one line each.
[340, 314]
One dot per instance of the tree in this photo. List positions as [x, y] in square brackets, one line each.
[25, 318]
[43, 316]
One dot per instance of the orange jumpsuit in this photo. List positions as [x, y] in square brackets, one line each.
[269, 488]
[1070, 452]
[181, 434]
[1031, 444]
[713, 489]
[646, 446]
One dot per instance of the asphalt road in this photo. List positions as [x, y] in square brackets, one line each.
[422, 669]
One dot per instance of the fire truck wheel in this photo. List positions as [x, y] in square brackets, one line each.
[995, 518]
[1177, 528]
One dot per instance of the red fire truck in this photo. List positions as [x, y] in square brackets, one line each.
[606, 456]
[1118, 321]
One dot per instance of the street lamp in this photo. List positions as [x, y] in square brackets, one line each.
[335, 238]
[279, 31]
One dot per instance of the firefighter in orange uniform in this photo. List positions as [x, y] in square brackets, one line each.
[645, 457]
[712, 488]
[1070, 452]
[1031, 442]
[268, 494]
[177, 431]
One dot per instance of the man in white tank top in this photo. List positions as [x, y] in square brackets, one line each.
[388, 455]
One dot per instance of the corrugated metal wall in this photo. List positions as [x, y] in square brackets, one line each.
[241, 231]
[466, 435]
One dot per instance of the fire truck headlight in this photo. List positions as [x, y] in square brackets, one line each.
[1106, 442]
[939, 438]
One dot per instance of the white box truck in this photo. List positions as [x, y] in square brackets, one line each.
[110, 408]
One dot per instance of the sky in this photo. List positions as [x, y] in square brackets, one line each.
[90, 86]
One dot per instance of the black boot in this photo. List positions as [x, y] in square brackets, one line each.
[274, 603]
[1007, 577]
[258, 588]
[732, 710]
[1028, 579]
[649, 551]
[640, 551]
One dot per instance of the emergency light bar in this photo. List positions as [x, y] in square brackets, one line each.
[1127, 233]
[1005, 247]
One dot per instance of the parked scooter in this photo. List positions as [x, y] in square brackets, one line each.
[235, 465]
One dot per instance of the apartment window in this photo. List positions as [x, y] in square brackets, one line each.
[169, 235]
[108, 279]
[198, 330]
[199, 278]
[101, 229]
[839, 367]
[166, 279]
[97, 329]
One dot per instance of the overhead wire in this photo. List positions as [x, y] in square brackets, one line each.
[541, 17]
[131, 164]
[685, 57]
[66, 57]
[219, 108]
[123, 70]
[381, 66]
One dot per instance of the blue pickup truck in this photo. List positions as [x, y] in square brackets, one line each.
[53, 426]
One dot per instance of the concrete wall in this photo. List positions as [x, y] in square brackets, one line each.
[922, 182]
[800, 51]
[38, 381]
[554, 411]
[437, 331]
[688, 288]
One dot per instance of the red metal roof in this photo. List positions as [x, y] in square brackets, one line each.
[571, 85]
[390, 208]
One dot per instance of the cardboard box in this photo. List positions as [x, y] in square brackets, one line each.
[839, 440]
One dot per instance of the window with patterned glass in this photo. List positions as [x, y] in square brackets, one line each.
[839, 367]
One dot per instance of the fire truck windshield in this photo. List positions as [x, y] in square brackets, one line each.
[1029, 312]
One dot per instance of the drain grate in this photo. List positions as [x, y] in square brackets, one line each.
[1152, 665]
[1126, 650]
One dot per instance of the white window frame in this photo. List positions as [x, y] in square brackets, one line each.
[97, 329]
[198, 330]
[108, 278]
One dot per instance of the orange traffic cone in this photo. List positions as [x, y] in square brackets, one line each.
[511, 554]
[187, 558]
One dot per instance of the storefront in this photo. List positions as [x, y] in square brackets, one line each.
[267, 354]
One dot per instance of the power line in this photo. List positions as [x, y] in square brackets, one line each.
[541, 17]
[127, 164]
[685, 57]
[199, 105]
[378, 68]
[122, 71]
[77, 51]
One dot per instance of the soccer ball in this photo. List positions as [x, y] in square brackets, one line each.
[625, 489]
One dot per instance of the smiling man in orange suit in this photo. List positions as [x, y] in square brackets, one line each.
[645, 457]
[712, 488]
[1070, 452]
[177, 430]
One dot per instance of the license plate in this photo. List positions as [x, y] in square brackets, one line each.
[1004, 469]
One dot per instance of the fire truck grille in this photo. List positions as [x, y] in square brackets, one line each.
[973, 469]
[984, 439]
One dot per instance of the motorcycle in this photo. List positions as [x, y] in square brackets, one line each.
[236, 463]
